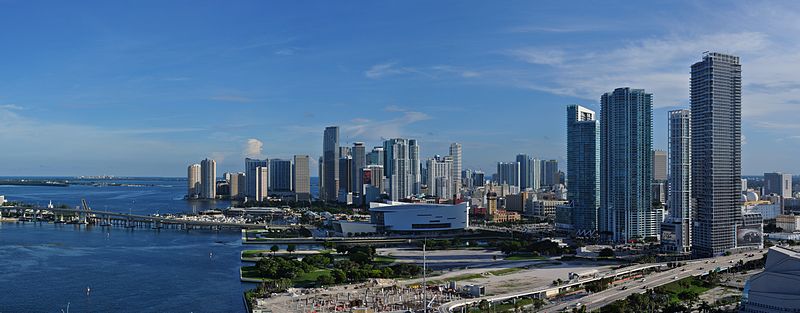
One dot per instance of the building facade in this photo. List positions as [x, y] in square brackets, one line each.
[583, 169]
[440, 170]
[208, 179]
[779, 184]
[280, 175]
[716, 151]
[301, 180]
[456, 155]
[193, 177]
[626, 211]
[250, 167]
[330, 158]
[680, 178]
[262, 183]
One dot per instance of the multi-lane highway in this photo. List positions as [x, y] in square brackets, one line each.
[597, 300]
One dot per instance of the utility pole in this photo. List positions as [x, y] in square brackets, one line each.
[424, 276]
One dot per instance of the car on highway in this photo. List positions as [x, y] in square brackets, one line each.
[644, 287]
[624, 288]
[674, 277]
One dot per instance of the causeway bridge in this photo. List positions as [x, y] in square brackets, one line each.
[86, 216]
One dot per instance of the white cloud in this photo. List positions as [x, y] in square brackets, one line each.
[384, 69]
[367, 129]
[253, 148]
[392, 68]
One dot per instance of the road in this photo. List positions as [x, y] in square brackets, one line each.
[597, 300]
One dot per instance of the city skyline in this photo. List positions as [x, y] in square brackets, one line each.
[122, 100]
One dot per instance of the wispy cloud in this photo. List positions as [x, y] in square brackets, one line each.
[382, 70]
[367, 129]
[232, 98]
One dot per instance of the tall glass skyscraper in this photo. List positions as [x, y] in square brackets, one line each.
[680, 179]
[716, 123]
[280, 175]
[330, 163]
[398, 166]
[583, 168]
[626, 211]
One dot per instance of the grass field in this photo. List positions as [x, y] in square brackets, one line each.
[690, 284]
[505, 271]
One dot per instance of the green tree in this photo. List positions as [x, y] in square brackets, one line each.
[607, 253]
[274, 249]
[291, 248]
[339, 276]
[325, 280]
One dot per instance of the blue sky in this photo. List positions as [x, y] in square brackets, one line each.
[147, 87]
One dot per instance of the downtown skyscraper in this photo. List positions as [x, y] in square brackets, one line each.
[455, 154]
[398, 168]
[680, 182]
[301, 181]
[626, 135]
[193, 177]
[250, 171]
[716, 150]
[583, 169]
[529, 172]
[330, 162]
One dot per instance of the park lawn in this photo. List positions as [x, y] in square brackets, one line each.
[305, 280]
[524, 257]
[505, 271]
[310, 278]
[674, 288]
[250, 272]
[253, 253]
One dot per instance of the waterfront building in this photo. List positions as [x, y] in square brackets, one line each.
[397, 168]
[250, 166]
[208, 179]
[359, 163]
[549, 173]
[235, 182]
[583, 169]
[455, 154]
[680, 179]
[398, 217]
[439, 177]
[626, 212]
[779, 184]
[280, 175]
[262, 183]
[301, 180]
[193, 177]
[716, 152]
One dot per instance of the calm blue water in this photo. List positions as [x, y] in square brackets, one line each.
[43, 267]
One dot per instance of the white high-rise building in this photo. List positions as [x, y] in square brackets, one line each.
[416, 166]
[455, 154]
[440, 171]
[398, 168]
[680, 180]
[193, 176]
[208, 179]
[262, 183]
